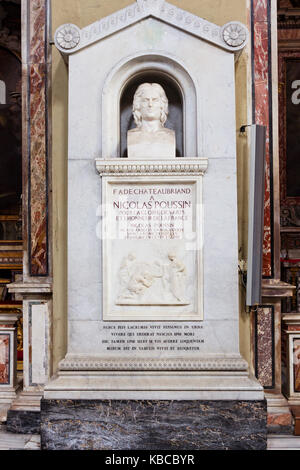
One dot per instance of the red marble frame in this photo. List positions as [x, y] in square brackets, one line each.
[262, 112]
[36, 152]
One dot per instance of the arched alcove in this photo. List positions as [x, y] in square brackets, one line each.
[10, 132]
[117, 97]
[175, 117]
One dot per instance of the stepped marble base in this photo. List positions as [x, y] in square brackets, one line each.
[7, 397]
[150, 385]
[23, 422]
[280, 420]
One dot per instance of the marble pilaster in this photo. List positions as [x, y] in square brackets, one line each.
[36, 288]
[262, 93]
[36, 62]
[37, 308]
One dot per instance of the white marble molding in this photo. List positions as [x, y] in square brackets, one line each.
[232, 37]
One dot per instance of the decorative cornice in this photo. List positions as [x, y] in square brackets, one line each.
[70, 35]
[176, 167]
[276, 288]
[288, 45]
[291, 319]
[9, 318]
[134, 364]
[11, 258]
[30, 288]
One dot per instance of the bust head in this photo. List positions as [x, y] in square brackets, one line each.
[150, 104]
[150, 139]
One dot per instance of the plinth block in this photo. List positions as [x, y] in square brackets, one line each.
[23, 422]
[153, 425]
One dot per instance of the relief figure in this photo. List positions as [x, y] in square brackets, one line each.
[125, 272]
[156, 283]
[177, 273]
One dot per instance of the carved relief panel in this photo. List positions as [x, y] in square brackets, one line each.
[152, 250]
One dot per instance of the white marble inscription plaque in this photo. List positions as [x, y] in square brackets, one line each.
[163, 339]
[152, 250]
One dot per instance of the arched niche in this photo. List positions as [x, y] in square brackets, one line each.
[175, 117]
[120, 86]
[10, 75]
[10, 132]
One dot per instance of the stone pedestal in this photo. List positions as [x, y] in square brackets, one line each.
[153, 425]
[24, 414]
[291, 357]
[8, 362]
[37, 304]
[155, 339]
[280, 419]
[153, 310]
[8, 357]
[267, 354]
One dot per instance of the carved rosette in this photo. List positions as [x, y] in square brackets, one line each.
[235, 34]
[67, 37]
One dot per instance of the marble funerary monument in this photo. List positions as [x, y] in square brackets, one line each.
[152, 230]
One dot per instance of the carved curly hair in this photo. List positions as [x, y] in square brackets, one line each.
[137, 100]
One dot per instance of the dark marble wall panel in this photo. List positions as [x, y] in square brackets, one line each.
[23, 422]
[153, 425]
[10, 31]
[290, 206]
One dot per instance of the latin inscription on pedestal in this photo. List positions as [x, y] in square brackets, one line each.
[152, 249]
[160, 339]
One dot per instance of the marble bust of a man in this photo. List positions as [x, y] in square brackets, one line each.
[150, 139]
